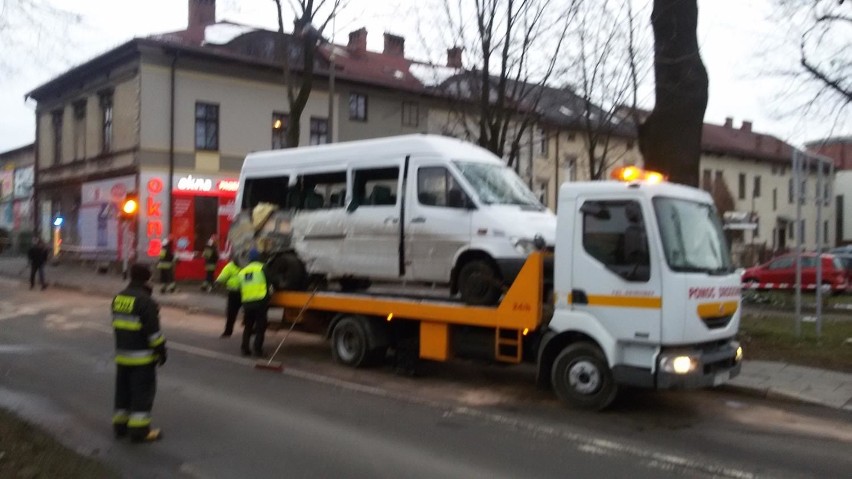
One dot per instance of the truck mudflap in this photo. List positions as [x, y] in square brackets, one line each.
[708, 365]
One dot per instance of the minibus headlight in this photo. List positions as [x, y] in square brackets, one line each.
[523, 246]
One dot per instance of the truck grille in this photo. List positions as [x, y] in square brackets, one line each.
[717, 322]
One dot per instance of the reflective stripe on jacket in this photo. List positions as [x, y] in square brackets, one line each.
[230, 276]
[166, 259]
[136, 326]
[253, 286]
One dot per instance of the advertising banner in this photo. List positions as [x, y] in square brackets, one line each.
[6, 182]
[23, 183]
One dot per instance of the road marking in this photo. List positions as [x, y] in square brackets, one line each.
[583, 443]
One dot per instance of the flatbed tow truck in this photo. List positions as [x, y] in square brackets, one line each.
[643, 295]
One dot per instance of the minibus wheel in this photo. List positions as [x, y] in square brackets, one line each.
[479, 283]
[288, 272]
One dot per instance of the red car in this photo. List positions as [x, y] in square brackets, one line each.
[780, 273]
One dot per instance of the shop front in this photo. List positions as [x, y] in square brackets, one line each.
[202, 206]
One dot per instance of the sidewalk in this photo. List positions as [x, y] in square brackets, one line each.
[769, 379]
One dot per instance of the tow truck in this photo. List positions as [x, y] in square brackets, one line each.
[642, 294]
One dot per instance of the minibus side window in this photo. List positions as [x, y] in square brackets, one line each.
[437, 187]
[614, 234]
[375, 187]
[320, 191]
[265, 190]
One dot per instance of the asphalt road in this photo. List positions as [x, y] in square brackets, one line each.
[224, 419]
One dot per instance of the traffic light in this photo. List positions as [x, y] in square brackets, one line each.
[129, 206]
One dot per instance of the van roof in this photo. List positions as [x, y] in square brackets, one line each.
[395, 146]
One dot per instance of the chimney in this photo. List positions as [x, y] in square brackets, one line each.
[454, 57]
[358, 41]
[202, 13]
[394, 45]
[746, 126]
[729, 122]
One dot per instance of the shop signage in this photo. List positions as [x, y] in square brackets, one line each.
[190, 183]
[228, 185]
[154, 220]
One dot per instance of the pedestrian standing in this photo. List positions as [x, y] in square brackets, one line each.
[140, 348]
[254, 294]
[211, 258]
[166, 266]
[37, 256]
[230, 277]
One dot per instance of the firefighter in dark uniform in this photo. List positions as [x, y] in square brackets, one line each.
[139, 348]
[230, 277]
[211, 258]
[166, 266]
[254, 294]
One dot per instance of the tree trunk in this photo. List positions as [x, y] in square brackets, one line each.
[670, 139]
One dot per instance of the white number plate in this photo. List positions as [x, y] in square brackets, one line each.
[721, 378]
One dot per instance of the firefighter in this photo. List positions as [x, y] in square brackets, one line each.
[211, 258]
[166, 266]
[254, 294]
[140, 348]
[230, 277]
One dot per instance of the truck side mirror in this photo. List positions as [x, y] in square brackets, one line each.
[352, 206]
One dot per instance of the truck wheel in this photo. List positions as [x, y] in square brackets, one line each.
[288, 272]
[479, 283]
[349, 342]
[582, 378]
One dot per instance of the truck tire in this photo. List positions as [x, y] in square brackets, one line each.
[582, 378]
[479, 283]
[350, 343]
[288, 273]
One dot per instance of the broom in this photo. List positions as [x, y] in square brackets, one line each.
[277, 366]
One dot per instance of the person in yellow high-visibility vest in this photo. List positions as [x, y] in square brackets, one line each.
[254, 295]
[229, 276]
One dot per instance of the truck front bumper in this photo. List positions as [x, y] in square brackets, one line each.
[698, 367]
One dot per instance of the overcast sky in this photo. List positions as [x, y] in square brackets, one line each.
[738, 45]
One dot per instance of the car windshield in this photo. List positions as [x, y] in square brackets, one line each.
[497, 184]
[692, 236]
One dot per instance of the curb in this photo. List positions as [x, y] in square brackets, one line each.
[781, 396]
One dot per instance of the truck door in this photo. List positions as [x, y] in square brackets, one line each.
[616, 274]
[437, 221]
[371, 246]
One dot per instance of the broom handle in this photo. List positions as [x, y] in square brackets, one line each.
[293, 325]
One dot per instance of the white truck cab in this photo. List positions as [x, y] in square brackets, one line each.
[644, 291]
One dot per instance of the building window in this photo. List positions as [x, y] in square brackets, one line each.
[410, 114]
[57, 136]
[824, 231]
[357, 107]
[742, 187]
[572, 136]
[774, 199]
[206, 126]
[319, 131]
[279, 130]
[570, 167]
[106, 121]
[542, 142]
[756, 191]
[80, 129]
[790, 191]
[707, 180]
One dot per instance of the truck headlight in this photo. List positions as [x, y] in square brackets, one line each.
[739, 356]
[524, 246]
[678, 364]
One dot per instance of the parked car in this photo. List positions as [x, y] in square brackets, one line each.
[844, 254]
[780, 272]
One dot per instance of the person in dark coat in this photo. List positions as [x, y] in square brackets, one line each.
[37, 256]
[140, 348]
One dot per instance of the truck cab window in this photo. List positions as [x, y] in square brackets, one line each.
[437, 187]
[375, 187]
[266, 190]
[614, 234]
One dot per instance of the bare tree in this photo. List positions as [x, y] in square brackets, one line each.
[670, 139]
[34, 29]
[821, 31]
[310, 21]
[512, 47]
[608, 67]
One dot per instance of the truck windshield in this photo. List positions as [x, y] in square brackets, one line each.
[692, 236]
[497, 184]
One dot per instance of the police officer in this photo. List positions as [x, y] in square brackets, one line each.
[211, 258]
[254, 294]
[166, 266]
[139, 348]
[230, 277]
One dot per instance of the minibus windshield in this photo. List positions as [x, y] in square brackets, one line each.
[497, 184]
